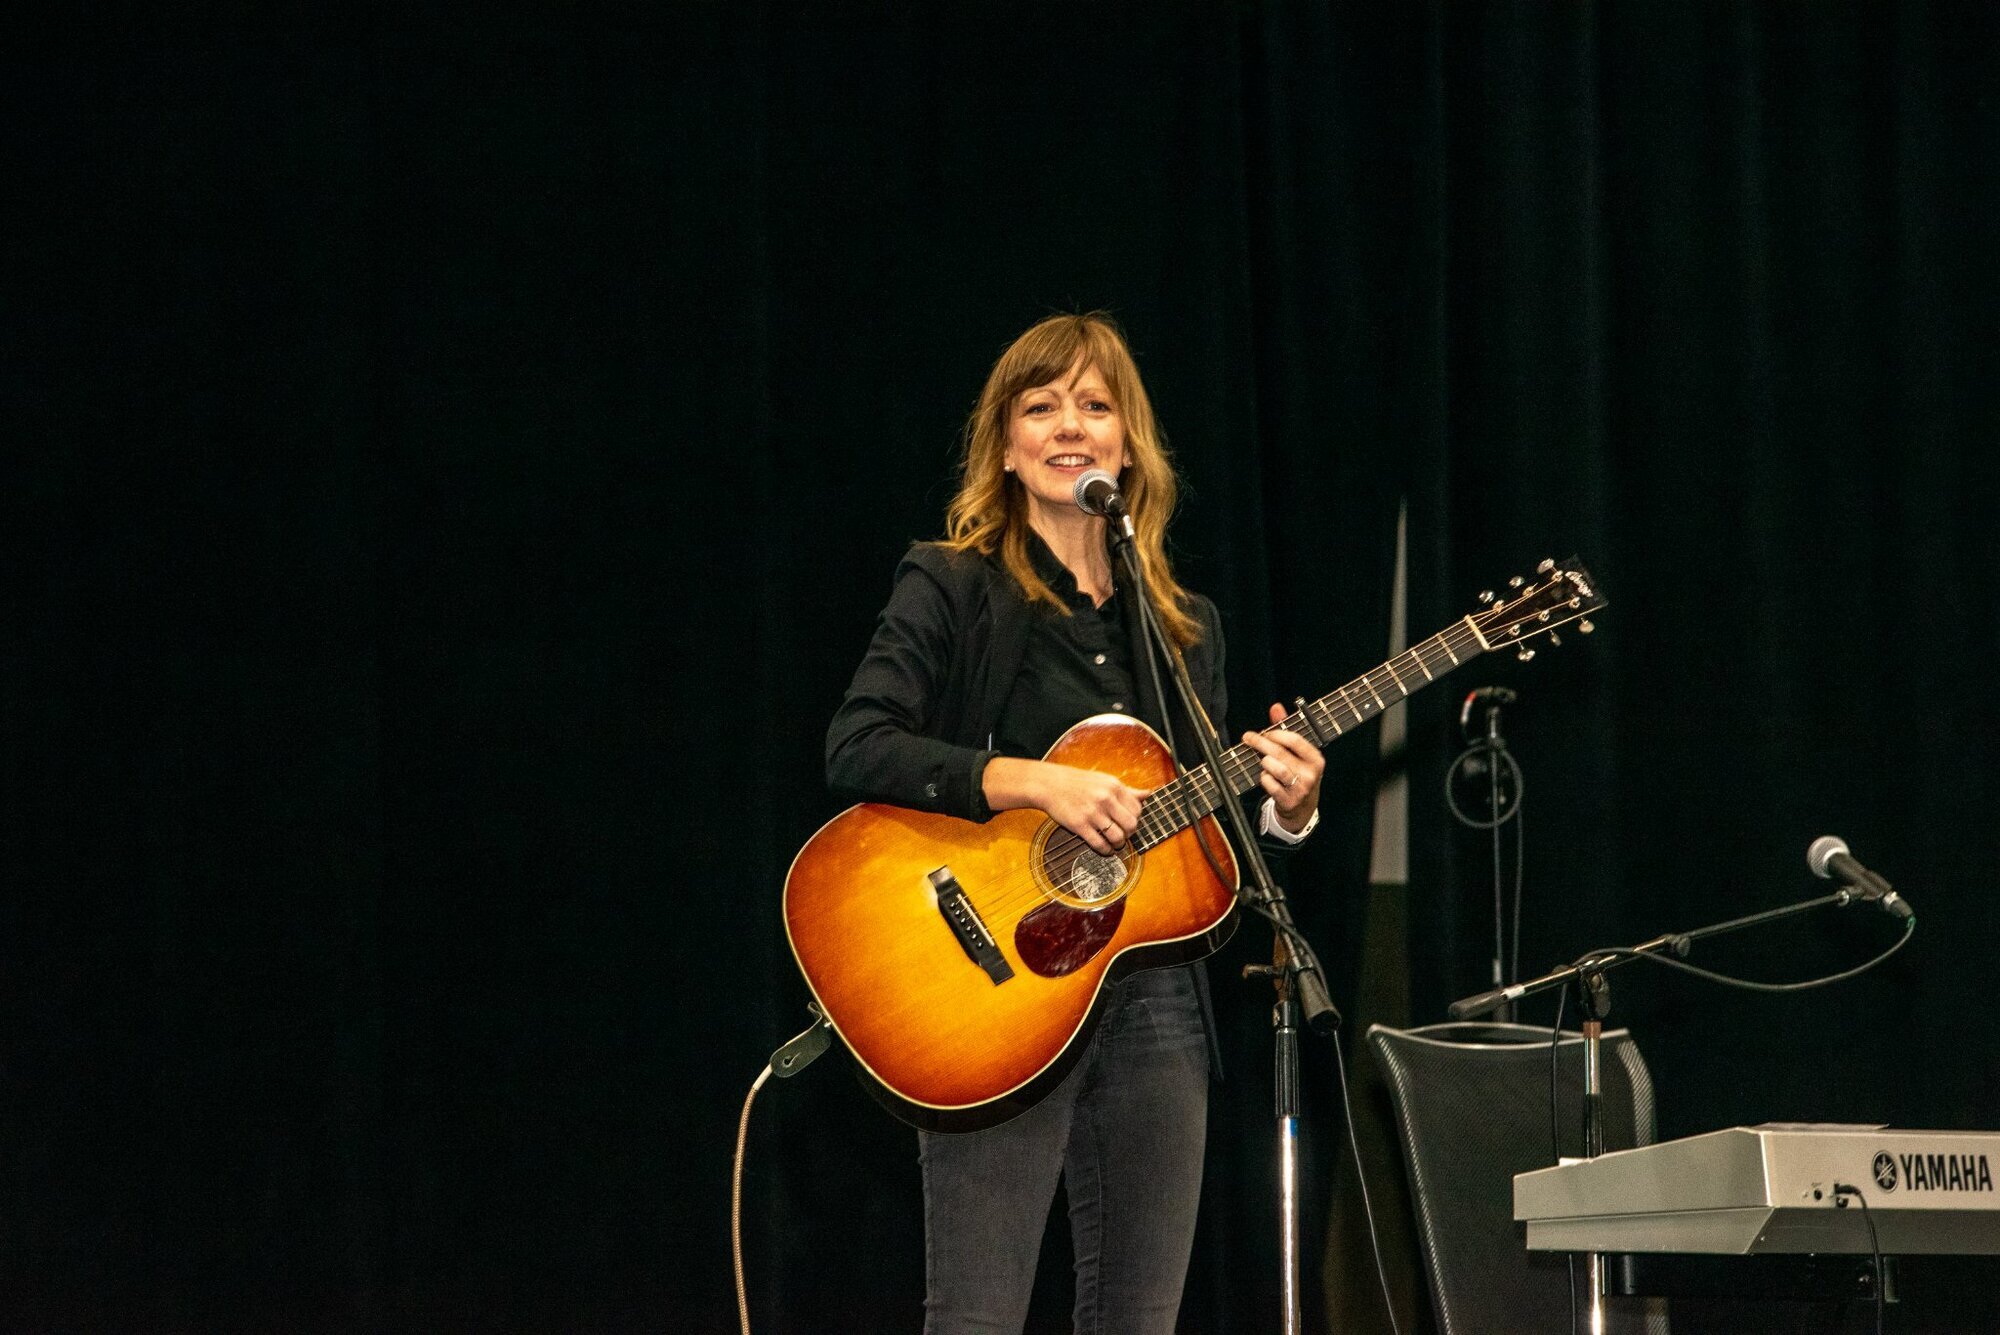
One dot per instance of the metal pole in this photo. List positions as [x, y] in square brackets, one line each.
[1593, 1145]
[1285, 1021]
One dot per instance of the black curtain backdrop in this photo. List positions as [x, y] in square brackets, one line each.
[459, 459]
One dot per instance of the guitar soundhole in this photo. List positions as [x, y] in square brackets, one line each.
[1070, 872]
[1093, 877]
[1087, 890]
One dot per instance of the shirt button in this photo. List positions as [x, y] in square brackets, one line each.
[930, 790]
[1100, 660]
[1118, 705]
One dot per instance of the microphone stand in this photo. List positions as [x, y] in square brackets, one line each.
[1496, 754]
[1595, 992]
[1502, 805]
[1296, 971]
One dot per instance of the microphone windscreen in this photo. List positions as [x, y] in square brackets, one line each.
[1094, 490]
[1822, 852]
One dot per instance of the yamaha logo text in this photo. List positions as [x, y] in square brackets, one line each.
[1933, 1172]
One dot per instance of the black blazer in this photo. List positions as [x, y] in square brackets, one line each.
[914, 728]
[915, 725]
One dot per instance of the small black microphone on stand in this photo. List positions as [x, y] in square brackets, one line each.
[1497, 695]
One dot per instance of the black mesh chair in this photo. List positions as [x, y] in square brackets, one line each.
[1472, 1109]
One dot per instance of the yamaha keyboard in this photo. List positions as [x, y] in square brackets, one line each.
[1754, 1190]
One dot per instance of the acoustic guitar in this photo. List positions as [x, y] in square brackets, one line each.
[962, 963]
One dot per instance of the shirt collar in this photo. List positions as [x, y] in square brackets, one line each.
[1055, 574]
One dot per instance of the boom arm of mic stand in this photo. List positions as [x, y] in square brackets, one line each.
[1315, 1003]
[1678, 942]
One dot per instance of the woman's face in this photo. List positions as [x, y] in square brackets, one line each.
[1059, 431]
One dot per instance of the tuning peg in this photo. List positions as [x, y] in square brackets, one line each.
[1485, 597]
[1546, 566]
[1576, 602]
[1516, 582]
[1555, 638]
[1586, 625]
[1525, 654]
[1543, 615]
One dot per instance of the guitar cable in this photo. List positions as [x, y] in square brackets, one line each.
[788, 1060]
[736, 1200]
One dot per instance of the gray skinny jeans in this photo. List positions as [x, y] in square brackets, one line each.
[1125, 1130]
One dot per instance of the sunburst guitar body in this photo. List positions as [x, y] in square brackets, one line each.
[964, 964]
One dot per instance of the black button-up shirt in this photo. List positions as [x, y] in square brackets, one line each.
[1073, 666]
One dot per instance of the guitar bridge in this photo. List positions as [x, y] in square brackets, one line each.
[967, 926]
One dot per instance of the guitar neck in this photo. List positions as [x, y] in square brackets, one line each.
[1174, 806]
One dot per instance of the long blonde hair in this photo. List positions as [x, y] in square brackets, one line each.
[991, 508]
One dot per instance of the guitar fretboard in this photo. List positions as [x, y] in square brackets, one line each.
[1174, 806]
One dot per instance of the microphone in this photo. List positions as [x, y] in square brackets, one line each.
[1097, 494]
[1829, 860]
[1499, 695]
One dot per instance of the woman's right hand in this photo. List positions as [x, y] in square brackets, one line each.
[1100, 809]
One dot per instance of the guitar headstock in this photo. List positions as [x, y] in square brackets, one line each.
[1561, 592]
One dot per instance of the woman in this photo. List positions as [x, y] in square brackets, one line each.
[995, 641]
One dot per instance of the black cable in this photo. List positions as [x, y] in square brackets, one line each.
[1555, 1128]
[1149, 627]
[1159, 687]
[1451, 798]
[1555, 1037]
[1361, 1176]
[1621, 952]
[1303, 955]
[1497, 760]
[1520, 857]
[1499, 893]
[1750, 984]
[1841, 1191]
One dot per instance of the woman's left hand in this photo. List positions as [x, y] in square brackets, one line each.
[1292, 767]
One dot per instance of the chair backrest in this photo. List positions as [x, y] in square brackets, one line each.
[1472, 1107]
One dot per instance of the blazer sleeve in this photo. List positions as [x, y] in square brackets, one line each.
[879, 747]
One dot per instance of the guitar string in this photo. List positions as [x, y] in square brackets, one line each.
[1167, 810]
[1459, 642]
[1025, 891]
